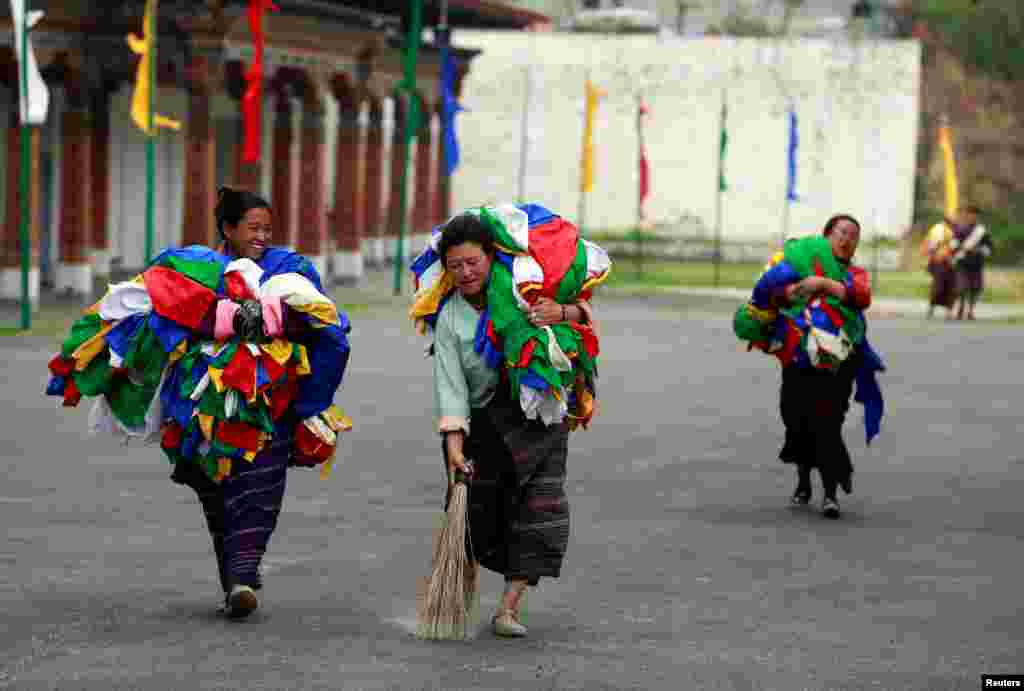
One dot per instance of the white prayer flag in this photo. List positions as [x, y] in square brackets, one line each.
[33, 108]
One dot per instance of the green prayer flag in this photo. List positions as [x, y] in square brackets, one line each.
[723, 143]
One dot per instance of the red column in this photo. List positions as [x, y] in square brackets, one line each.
[10, 252]
[348, 217]
[423, 199]
[441, 208]
[312, 221]
[74, 273]
[200, 159]
[374, 196]
[99, 242]
[282, 166]
[395, 180]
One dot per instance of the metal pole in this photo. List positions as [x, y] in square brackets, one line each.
[25, 134]
[718, 196]
[150, 137]
[524, 138]
[411, 122]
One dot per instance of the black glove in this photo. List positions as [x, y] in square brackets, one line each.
[248, 322]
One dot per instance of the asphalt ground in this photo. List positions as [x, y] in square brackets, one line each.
[686, 569]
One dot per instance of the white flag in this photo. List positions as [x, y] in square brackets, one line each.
[33, 109]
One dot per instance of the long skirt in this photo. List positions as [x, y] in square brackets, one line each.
[241, 512]
[813, 404]
[944, 285]
[970, 283]
[518, 510]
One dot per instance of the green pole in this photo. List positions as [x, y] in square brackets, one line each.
[412, 119]
[150, 139]
[25, 134]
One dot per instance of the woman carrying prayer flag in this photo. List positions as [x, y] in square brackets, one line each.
[230, 358]
[807, 309]
[505, 290]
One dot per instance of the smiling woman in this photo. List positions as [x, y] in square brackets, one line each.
[243, 221]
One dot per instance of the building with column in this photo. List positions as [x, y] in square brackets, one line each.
[331, 118]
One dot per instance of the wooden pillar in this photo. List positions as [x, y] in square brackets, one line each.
[312, 212]
[348, 217]
[99, 240]
[441, 208]
[74, 270]
[200, 158]
[394, 217]
[423, 197]
[374, 197]
[10, 271]
[281, 192]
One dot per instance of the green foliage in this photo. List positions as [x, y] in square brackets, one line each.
[986, 36]
[1008, 233]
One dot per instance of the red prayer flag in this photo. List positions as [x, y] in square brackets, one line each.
[252, 99]
[240, 374]
[645, 171]
[177, 297]
[554, 246]
[239, 435]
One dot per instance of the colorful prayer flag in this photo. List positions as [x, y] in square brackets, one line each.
[723, 142]
[645, 171]
[252, 99]
[949, 161]
[145, 48]
[593, 97]
[794, 144]
[450, 107]
[33, 96]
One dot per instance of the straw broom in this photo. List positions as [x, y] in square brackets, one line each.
[448, 601]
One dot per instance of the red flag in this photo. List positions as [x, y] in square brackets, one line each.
[252, 100]
[645, 171]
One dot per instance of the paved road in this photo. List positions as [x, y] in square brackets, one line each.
[686, 568]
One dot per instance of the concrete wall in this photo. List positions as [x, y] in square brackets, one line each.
[857, 105]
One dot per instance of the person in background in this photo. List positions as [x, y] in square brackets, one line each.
[938, 248]
[971, 245]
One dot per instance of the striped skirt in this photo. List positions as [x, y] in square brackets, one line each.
[241, 512]
[518, 509]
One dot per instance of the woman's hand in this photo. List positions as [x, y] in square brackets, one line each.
[813, 286]
[546, 312]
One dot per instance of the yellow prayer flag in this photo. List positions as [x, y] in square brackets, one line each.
[145, 48]
[593, 97]
[949, 162]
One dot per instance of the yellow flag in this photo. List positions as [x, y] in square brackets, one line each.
[952, 186]
[145, 48]
[593, 97]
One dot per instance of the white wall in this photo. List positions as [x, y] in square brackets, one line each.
[128, 179]
[857, 107]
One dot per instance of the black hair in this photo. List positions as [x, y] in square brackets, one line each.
[831, 223]
[232, 205]
[465, 228]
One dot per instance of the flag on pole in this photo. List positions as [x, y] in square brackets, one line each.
[645, 170]
[949, 160]
[252, 99]
[450, 107]
[593, 97]
[794, 145]
[145, 48]
[33, 96]
[723, 143]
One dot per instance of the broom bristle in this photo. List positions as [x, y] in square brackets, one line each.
[449, 598]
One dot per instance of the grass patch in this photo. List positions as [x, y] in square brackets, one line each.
[1003, 285]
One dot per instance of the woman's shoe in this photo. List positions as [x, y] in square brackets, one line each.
[241, 602]
[506, 624]
[801, 497]
[830, 508]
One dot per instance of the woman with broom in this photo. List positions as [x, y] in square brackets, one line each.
[497, 419]
[807, 309]
[231, 359]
